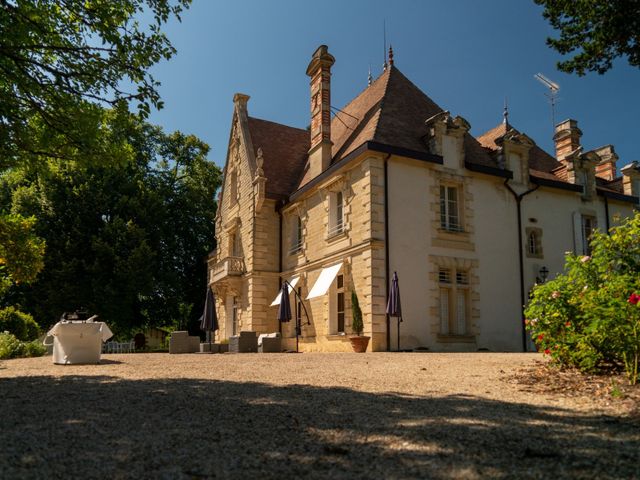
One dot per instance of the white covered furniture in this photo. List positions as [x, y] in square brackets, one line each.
[77, 342]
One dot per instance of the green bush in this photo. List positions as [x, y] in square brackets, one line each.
[589, 317]
[21, 324]
[35, 348]
[12, 347]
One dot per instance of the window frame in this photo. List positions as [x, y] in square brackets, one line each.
[450, 221]
[297, 235]
[453, 285]
[536, 234]
[336, 223]
[586, 244]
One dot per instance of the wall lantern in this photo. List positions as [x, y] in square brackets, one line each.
[544, 274]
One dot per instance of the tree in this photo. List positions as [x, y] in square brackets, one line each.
[62, 60]
[598, 30]
[21, 251]
[127, 240]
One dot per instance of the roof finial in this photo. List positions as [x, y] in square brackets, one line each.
[505, 113]
[390, 55]
[384, 50]
[369, 78]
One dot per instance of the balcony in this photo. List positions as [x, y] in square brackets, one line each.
[228, 267]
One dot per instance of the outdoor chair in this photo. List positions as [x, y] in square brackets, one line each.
[246, 342]
[270, 343]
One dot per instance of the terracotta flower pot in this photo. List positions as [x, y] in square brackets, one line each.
[359, 343]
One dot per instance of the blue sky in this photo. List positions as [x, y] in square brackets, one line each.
[466, 55]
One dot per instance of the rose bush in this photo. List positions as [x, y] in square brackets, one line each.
[589, 317]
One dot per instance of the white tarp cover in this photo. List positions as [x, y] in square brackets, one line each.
[292, 283]
[324, 281]
[78, 342]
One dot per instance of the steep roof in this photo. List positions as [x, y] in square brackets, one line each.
[541, 164]
[284, 150]
[391, 111]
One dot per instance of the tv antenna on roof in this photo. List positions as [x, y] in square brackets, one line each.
[554, 88]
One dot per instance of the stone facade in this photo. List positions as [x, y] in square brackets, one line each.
[444, 217]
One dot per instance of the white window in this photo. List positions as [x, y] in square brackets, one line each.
[336, 213]
[454, 301]
[588, 226]
[296, 235]
[449, 209]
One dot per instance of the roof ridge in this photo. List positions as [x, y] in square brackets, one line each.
[363, 91]
[277, 123]
[382, 99]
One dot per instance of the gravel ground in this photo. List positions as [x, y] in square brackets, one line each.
[382, 415]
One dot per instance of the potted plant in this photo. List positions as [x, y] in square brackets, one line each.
[359, 342]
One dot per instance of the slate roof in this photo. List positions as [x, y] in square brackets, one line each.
[391, 111]
[542, 165]
[284, 150]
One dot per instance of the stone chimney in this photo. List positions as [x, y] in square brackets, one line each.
[631, 179]
[567, 139]
[606, 168]
[319, 70]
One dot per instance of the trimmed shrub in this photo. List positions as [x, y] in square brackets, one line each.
[356, 313]
[20, 324]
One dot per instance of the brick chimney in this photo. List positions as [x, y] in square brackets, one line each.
[566, 138]
[319, 70]
[606, 168]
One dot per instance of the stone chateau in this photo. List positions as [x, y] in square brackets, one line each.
[395, 183]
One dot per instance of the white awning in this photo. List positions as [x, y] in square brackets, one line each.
[292, 284]
[324, 281]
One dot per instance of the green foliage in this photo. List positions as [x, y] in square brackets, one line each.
[18, 323]
[21, 251]
[34, 348]
[61, 60]
[126, 240]
[587, 317]
[12, 347]
[356, 314]
[599, 31]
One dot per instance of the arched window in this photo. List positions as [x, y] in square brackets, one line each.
[534, 242]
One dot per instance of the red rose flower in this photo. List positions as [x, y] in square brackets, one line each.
[540, 337]
[547, 351]
[634, 298]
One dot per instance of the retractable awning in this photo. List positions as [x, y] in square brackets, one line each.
[324, 281]
[292, 284]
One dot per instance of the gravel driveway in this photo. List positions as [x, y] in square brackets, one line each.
[381, 415]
